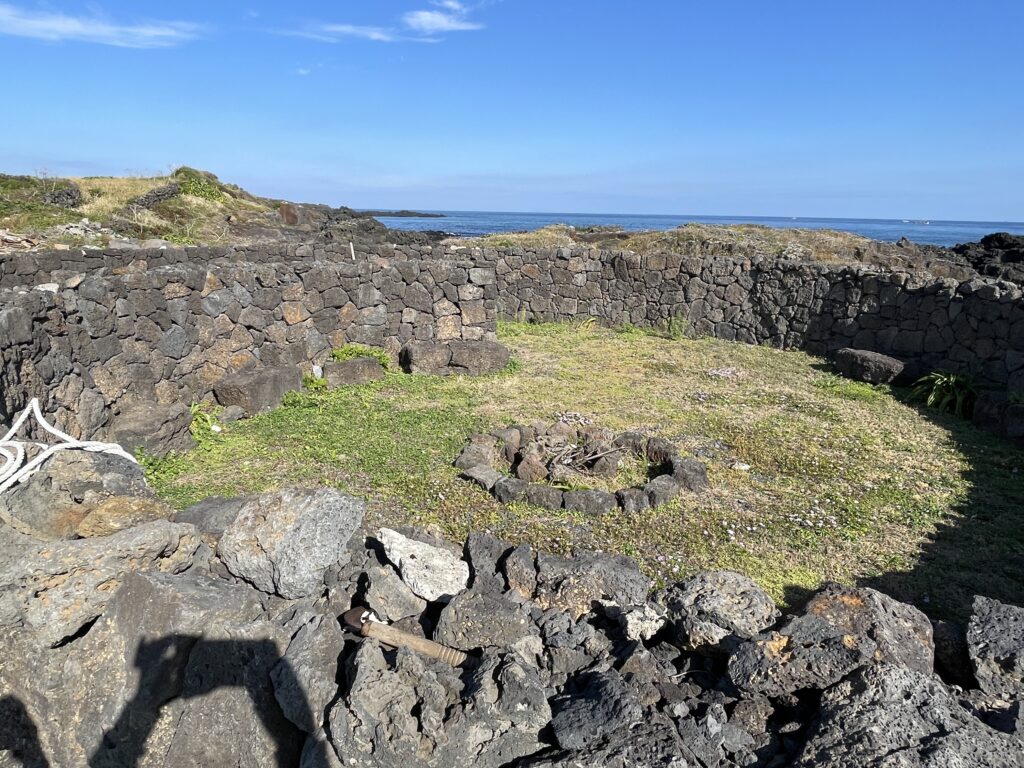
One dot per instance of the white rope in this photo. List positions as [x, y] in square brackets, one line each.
[14, 452]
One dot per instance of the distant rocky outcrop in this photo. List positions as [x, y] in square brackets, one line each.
[996, 255]
[215, 639]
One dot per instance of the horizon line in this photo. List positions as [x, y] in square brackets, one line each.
[921, 221]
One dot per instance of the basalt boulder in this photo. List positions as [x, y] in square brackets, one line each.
[284, 542]
[865, 365]
[995, 644]
[717, 610]
[841, 630]
[890, 715]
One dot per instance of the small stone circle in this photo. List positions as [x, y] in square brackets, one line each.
[516, 463]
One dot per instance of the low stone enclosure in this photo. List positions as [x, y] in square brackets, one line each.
[104, 337]
[541, 456]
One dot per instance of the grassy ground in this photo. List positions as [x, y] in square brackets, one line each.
[813, 477]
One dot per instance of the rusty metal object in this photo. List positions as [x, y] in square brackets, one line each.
[364, 622]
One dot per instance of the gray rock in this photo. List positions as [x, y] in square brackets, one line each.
[633, 500]
[257, 389]
[864, 365]
[715, 609]
[426, 357]
[995, 644]
[283, 542]
[653, 742]
[389, 597]
[602, 705]
[544, 496]
[480, 451]
[841, 629]
[109, 688]
[58, 588]
[641, 623]
[690, 473]
[889, 715]
[231, 414]
[153, 428]
[660, 451]
[486, 554]
[510, 489]
[419, 712]
[53, 501]
[484, 476]
[520, 571]
[305, 679]
[575, 584]
[478, 357]
[433, 573]
[212, 516]
[478, 619]
[591, 502]
[360, 370]
[227, 713]
[661, 490]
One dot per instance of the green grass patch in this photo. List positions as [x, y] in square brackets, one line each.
[354, 351]
[812, 478]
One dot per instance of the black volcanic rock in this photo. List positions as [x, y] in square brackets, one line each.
[997, 255]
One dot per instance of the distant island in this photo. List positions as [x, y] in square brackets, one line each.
[404, 214]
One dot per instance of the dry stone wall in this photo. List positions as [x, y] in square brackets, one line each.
[974, 326]
[91, 330]
[90, 343]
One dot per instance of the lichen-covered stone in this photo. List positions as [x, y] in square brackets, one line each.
[283, 542]
[840, 630]
[433, 573]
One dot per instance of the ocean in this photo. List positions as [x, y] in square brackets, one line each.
[474, 223]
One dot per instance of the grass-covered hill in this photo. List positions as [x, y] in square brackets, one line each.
[187, 206]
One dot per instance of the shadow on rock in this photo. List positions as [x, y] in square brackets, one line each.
[19, 736]
[178, 668]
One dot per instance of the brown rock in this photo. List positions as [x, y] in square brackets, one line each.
[117, 513]
[532, 470]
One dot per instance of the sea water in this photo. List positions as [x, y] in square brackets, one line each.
[474, 223]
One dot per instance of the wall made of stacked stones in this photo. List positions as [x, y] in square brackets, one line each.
[170, 333]
[974, 326]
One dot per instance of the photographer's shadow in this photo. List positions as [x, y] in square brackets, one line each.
[182, 667]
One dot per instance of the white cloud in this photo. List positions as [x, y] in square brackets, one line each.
[432, 22]
[58, 27]
[416, 26]
[377, 34]
[303, 71]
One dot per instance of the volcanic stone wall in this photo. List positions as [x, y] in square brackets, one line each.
[87, 329]
[974, 326]
[88, 343]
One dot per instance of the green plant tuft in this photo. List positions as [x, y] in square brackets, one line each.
[204, 427]
[197, 184]
[353, 351]
[953, 393]
[1016, 398]
[313, 383]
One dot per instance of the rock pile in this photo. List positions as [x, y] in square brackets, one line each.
[214, 639]
[529, 463]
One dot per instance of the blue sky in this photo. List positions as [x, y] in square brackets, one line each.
[901, 109]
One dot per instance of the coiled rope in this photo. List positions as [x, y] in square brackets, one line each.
[15, 452]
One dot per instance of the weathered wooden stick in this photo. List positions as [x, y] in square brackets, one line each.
[358, 620]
